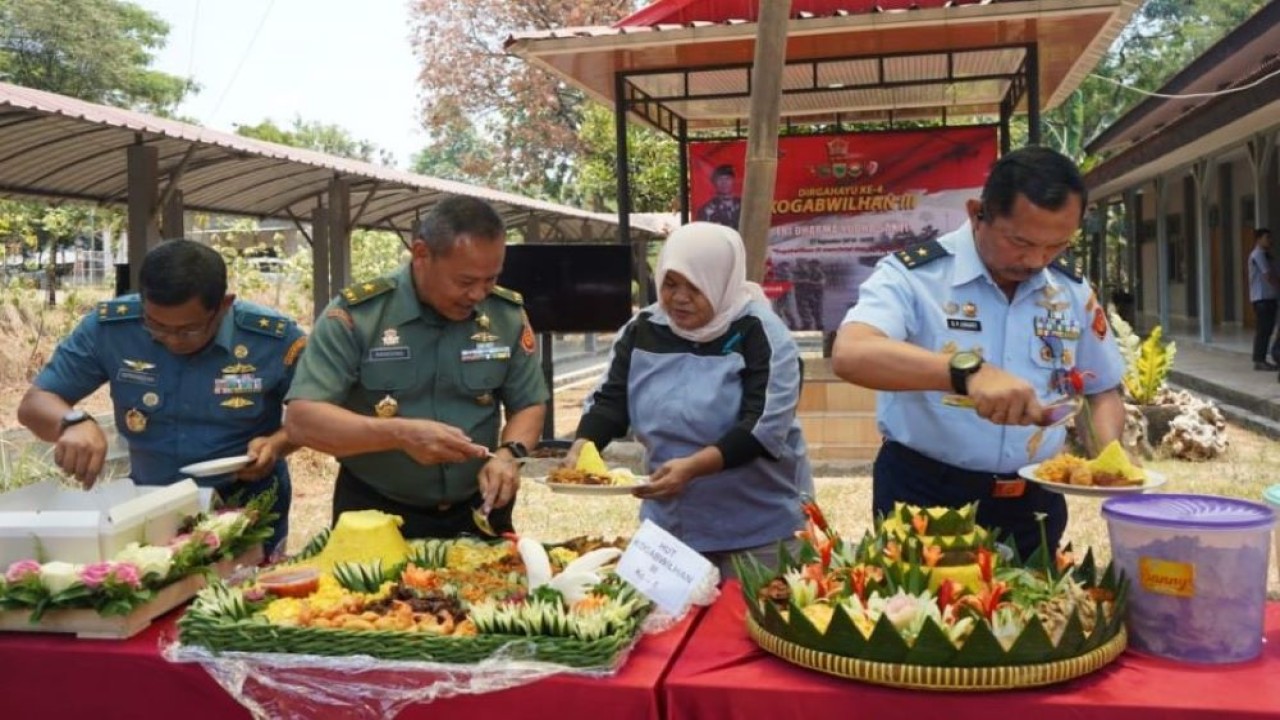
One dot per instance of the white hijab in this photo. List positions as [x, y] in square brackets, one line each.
[713, 259]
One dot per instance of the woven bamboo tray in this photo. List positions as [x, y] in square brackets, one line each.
[932, 677]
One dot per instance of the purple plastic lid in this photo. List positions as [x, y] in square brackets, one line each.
[1207, 512]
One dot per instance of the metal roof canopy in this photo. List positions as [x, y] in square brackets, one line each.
[52, 146]
[685, 65]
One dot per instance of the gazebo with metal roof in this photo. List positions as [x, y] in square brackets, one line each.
[52, 146]
[684, 66]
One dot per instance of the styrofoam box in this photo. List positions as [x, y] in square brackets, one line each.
[48, 521]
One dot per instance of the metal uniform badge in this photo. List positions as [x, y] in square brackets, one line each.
[241, 352]
[387, 407]
[970, 310]
[150, 399]
[951, 307]
[390, 337]
[237, 402]
[135, 420]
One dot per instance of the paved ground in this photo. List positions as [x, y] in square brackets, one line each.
[1224, 371]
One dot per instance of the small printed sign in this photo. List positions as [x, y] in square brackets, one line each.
[662, 568]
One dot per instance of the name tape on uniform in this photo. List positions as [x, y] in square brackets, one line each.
[960, 324]
[662, 568]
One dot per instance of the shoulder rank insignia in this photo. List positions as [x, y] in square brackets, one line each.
[1067, 264]
[509, 295]
[924, 253]
[358, 293]
[273, 325]
[116, 310]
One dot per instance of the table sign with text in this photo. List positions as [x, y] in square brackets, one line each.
[662, 568]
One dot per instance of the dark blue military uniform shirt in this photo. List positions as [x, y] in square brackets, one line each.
[175, 410]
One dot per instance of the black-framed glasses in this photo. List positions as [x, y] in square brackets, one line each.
[158, 331]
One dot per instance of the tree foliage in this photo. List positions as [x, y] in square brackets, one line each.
[459, 153]
[529, 118]
[95, 50]
[321, 137]
[653, 157]
[1161, 39]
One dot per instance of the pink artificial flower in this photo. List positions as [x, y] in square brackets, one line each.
[127, 574]
[179, 540]
[21, 570]
[94, 574]
[255, 594]
[212, 540]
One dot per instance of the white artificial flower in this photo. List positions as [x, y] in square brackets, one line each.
[148, 558]
[226, 525]
[57, 576]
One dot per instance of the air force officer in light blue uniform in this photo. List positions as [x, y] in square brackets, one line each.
[996, 311]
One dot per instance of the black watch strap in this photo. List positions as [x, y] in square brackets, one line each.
[516, 448]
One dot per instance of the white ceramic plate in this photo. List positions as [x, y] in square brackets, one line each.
[1153, 480]
[575, 489]
[221, 466]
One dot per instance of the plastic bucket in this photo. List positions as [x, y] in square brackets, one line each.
[1272, 496]
[1197, 570]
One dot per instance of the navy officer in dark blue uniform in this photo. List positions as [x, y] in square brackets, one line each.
[195, 375]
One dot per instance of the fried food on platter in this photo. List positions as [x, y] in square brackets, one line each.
[574, 476]
[1059, 468]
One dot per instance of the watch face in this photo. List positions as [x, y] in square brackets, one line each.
[74, 416]
[965, 360]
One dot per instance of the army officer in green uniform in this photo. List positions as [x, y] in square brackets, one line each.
[405, 376]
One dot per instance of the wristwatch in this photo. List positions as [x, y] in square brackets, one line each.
[516, 448]
[74, 416]
[964, 364]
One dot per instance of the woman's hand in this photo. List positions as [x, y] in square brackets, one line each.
[669, 480]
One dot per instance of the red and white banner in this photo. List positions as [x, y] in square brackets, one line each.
[841, 203]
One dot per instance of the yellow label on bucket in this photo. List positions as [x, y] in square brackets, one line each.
[1167, 577]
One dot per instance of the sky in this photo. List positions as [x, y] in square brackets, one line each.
[341, 62]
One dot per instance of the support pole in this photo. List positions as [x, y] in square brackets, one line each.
[1260, 147]
[1033, 94]
[1162, 252]
[762, 132]
[172, 223]
[339, 234]
[143, 167]
[1203, 173]
[320, 293]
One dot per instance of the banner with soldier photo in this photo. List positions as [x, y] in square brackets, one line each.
[841, 203]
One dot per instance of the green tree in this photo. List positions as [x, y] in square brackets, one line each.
[1161, 39]
[460, 153]
[321, 137]
[653, 157]
[95, 50]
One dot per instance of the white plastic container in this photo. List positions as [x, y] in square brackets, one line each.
[47, 521]
[1197, 569]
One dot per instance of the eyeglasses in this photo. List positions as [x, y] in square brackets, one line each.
[184, 333]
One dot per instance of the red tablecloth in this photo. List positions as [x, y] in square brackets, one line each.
[55, 677]
[722, 673]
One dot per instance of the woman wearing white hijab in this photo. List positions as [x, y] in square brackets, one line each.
[708, 379]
